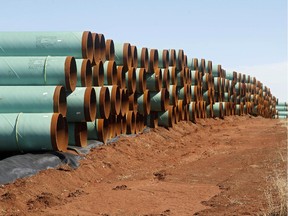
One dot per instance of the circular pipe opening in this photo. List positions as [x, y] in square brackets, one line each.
[103, 129]
[112, 73]
[167, 71]
[130, 122]
[172, 57]
[59, 132]
[124, 102]
[104, 103]
[142, 80]
[115, 100]
[209, 67]
[165, 58]
[80, 134]
[134, 56]
[185, 61]
[173, 77]
[98, 74]
[180, 59]
[147, 106]
[131, 80]
[123, 124]
[59, 100]
[110, 50]
[90, 104]
[96, 48]
[87, 46]
[86, 73]
[195, 63]
[133, 102]
[164, 99]
[165, 78]
[158, 79]
[121, 82]
[144, 58]
[203, 65]
[174, 95]
[127, 56]
[102, 47]
[153, 60]
[70, 70]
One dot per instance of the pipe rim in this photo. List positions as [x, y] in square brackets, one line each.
[110, 50]
[98, 74]
[165, 58]
[105, 102]
[146, 102]
[87, 46]
[124, 102]
[172, 58]
[60, 100]
[144, 59]
[180, 59]
[127, 56]
[112, 76]
[96, 48]
[130, 122]
[174, 95]
[86, 73]
[121, 82]
[141, 80]
[89, 104]
[153, 60]
[165, 78]
[172, 75]
[133, 106]
[70, 70]
[59, 132]
[115, 100]
[158, 79]
[164, 99]
[80, 131]
[131, 80]
[134, 57]
[102, 47]
[102, 130]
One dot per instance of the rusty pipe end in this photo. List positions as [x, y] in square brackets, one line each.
[80, 134]
[59, 100]
[134, 57]
[142, 80]
[127, 56]
[87, 46]
[70, 71]
[90, 104]
[102, 47]
[147, 106]
[105, 103]
[115, 100]
[153, 60]
[172, 57]
[98, 74]
[124, 102]
[131, 80]
[86, 73]
[110, 50]
[59, 132]
[130, 122]
[144, 59]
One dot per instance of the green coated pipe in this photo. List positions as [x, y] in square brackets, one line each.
[81, 105]
[140, 80]
[173, 95]
[179, 59]
[84, 73]
[77, 134]
[172, 58]
[192, 111]
[282, 104]
[194, 77]
[218, 110]
[280, 117]
[98, 130]
[181, 79]
[167, 118]
[182, 93]
[226, 97]
[26, 132]
[172, 75]
[33, 99]
[103, 103]
[143, 101]
[216, 70]
[194, 93]
[123, 54]
[154, 80]
[39, 71]
[283, 113]
[280, 108]
[159, 100]
[202, 66]
[165, 77]
[152, 120]
[109, 50]
[77, 44]
[209, 67]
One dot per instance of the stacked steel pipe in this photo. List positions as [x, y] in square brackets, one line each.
[281, 110]
[63, 88]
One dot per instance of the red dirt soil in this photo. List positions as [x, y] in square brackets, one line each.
[214, 167]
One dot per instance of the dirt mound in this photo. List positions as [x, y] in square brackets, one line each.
[214, 167]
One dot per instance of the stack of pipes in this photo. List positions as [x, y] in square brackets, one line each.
[64, 88]
[281, 110]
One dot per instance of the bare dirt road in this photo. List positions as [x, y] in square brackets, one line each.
[214, 167]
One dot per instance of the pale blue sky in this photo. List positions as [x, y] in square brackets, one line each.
[249, 36]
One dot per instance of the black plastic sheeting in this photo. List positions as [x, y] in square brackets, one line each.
[13, 167]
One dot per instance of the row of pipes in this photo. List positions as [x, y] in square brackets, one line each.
[281, 110]
[60, 88]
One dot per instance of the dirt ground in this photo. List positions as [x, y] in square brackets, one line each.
[214, 167]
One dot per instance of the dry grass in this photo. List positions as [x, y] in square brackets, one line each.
[276, 196]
